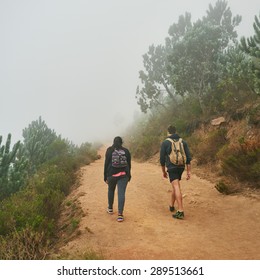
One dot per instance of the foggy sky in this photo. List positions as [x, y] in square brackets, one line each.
[75, 63]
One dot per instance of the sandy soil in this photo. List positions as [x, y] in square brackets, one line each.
[215, 226]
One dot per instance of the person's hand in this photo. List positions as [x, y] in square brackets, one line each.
[165, 175]
[188, 176]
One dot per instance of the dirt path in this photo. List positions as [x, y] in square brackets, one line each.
[215, 226]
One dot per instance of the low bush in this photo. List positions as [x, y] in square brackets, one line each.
[28, 217]
[29, 208]
[244, 162]
[207, 150]
[26, 244]
[224, 188]
[147, 147]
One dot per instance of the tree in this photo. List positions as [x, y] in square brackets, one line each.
[155, 78]
[236, 72]
[8, 162]
[188, 63]
[251, 46]
[194, 60]
[19, 172]
[37, 142]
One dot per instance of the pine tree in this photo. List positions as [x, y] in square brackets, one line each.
[8, 159]
[251, 46]
[37, 141]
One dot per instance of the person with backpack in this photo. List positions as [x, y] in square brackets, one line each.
[174, 155]
[117, 172]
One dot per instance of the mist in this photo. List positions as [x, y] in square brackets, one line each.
[76, 63]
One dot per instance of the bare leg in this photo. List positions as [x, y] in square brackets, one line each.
[173, 197]
[177, 194]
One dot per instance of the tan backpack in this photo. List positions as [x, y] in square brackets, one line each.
[177, 155]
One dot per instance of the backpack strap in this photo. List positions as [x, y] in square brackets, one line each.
[171, 140]
[173, 143]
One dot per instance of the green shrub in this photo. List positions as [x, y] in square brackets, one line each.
[24, 209]
[37, 205]
[34, 187]
[89, 254]
[244, 162]
[26, 244]
[55, 178]
[208, 149]
[223, 188]
[147, 147]
[254, 115]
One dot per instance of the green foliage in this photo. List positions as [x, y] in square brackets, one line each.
[54, 177]
[38, 139]
[38, 205]
[189, 63]
[148, 132]
[7, 156]
[41, 146]
[12, 168]
[29, 208]
[194, 60]
[202, 72]
[24, 245]
[89, 254]
[254, 115]
[35, 178]
[154, 80]
[74, 224]
[145, 136]
[146, 148]
[70, 219]
[251, 46]
[25, 157]
[207, 150]
[236, 84]
[86, 153]
[244, 162]
[199, 73]
[223, 188]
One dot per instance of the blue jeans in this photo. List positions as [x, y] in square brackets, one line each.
[121, 183]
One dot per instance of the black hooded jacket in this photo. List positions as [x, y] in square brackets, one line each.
[109, 170]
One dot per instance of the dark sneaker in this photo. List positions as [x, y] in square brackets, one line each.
[110, 211]
[120, 218]
[171, 208]
[178, 215]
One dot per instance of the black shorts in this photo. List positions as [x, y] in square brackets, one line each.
[175, 173]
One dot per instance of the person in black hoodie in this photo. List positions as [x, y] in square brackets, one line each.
[174, 171]
[117, 172]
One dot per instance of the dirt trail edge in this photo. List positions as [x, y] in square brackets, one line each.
[215, 226]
